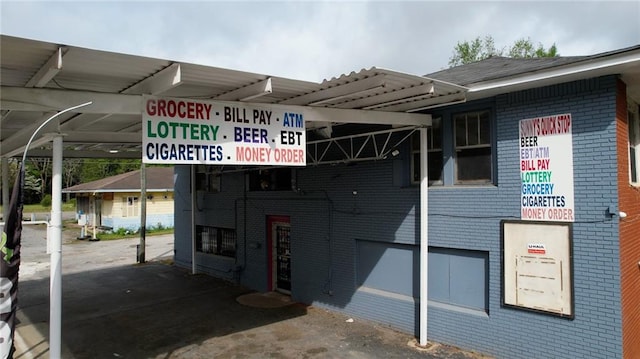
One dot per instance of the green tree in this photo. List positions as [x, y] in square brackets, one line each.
[95, 169]
[524, 48]
[481, 48]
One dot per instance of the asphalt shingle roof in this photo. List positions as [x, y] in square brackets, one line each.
[158, 178]
[499, 67]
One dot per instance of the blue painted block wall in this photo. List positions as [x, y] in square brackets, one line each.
[328, 219]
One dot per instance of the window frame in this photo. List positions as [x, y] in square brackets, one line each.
[633, 141]
[489, 144]
[130, 206]
[432, 149]
[216, 246]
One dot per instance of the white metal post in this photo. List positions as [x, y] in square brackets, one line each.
[424, 234]
[55, 292]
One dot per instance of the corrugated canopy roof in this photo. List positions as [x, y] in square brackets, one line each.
[39, 78]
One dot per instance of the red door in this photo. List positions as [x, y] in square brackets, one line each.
[279, 257]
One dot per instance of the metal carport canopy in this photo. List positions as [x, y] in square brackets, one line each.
[38, 79]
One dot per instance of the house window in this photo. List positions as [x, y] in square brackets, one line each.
[434, 150]
[272, 179]
[207, 179]
[634, 145]
[459, 277]
[473, 147]
[214, 240]
[130, 206]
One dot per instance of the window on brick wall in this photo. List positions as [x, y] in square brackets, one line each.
[272, 179]
[214, 240]
[634, 144]
[472, 134]
[434, 143]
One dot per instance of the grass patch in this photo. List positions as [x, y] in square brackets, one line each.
[107, 236]
[37, 208]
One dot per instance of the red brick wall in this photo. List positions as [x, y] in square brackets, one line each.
[629, 236]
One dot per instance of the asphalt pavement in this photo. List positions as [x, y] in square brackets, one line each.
[115, 308]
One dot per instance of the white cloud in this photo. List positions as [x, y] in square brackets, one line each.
[317, 40]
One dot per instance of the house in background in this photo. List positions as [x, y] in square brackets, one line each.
[115, 201]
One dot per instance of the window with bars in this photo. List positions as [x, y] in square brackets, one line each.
[473, 147]
[434, 150]
[215, 240]
[634, 144]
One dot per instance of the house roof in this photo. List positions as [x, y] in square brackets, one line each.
[157, 179]
[496, 75]
[498, 67]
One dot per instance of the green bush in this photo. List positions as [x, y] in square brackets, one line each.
[46, 201]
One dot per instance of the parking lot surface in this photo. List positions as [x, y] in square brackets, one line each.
[115, 308]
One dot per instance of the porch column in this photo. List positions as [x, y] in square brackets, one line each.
[424, 234]
[55, 289]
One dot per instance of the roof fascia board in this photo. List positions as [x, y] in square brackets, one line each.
[575, 71]
[106, 190]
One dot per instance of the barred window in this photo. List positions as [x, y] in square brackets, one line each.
[214, 240]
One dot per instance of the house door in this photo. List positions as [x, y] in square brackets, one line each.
[279, 232]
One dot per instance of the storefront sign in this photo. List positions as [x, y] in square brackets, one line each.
[187, 131]
[546, 169]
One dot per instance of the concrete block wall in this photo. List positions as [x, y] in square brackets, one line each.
[339, 205]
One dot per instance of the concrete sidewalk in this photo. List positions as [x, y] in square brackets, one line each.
[118, 309]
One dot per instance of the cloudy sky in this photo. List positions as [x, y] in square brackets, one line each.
[317, 40]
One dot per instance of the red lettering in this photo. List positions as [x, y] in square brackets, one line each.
[180, 109]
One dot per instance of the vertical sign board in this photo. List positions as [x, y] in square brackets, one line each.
[536, 266]
[546, 169]
[187, 131]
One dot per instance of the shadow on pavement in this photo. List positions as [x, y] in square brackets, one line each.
[139, 311]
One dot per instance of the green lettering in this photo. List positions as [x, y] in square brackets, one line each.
[195, 132]
[150, 130]
[214, 131]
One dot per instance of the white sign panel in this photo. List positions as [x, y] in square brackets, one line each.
[188, 131]
[546, 169]
[537, 266]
